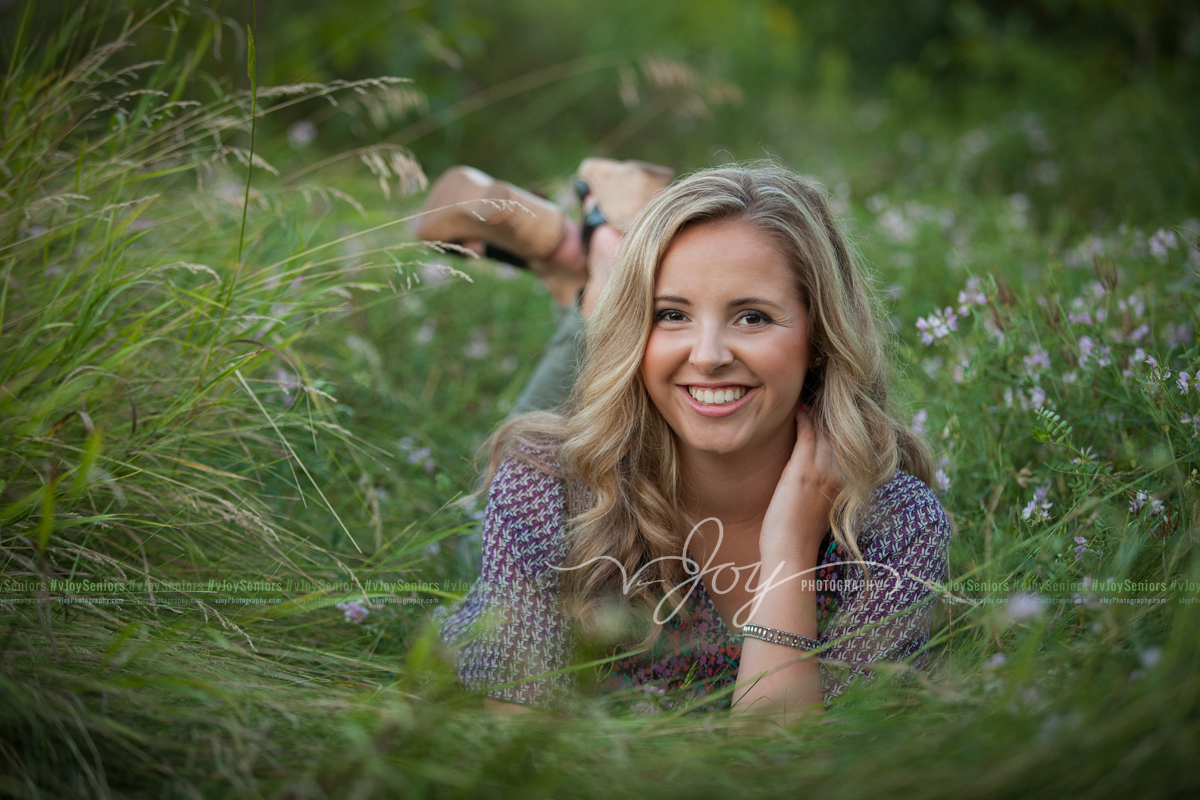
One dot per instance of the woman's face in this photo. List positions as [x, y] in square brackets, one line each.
[728, 346]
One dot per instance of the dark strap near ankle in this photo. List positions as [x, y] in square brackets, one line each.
[498, 254]
[592, 220]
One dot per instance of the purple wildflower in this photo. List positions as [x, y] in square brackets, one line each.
[1024, 605]
[1141, 499]
[942, 477]
[959, 373]
[918, 423]
[1037, 362]
[1180, 334]
[1036, 509]
[1158, 373]
[1162, 242]
[937, 325]
[971, 295]
[1133, 305]
[1086, 346]
[995, 662]
[1082, 548]
[355, 611]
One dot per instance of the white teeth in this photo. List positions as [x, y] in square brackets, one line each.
[717, 397]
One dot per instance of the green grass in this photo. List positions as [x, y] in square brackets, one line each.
[305, 416]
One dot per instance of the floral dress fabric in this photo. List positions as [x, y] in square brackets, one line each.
[512, 641]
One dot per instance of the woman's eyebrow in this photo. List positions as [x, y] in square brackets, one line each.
[753, 301]
[741, 301]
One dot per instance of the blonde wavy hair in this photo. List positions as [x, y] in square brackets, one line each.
[616, 453]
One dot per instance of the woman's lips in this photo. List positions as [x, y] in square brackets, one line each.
[715, 410]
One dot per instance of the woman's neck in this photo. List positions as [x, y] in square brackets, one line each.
[736, 488]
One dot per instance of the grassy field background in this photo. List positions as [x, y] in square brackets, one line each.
[235, 394]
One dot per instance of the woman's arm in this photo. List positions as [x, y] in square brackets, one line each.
[775, 678]
[509, 631]
[889, 618]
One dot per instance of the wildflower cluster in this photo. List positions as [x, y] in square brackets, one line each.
[937, 325]
[1158, 375]
[1036, 363]
[1162, 243]
[417, 456]
[1037, 508]
[354, 611]
[1141, 499]
[1081, 547]
[971, 295]
[902, 223]
[941, 478]
[1089, 352]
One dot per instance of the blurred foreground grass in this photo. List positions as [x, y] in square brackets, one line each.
[231, 446]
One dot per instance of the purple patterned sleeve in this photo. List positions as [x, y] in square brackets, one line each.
[509, 631]
[904, 541]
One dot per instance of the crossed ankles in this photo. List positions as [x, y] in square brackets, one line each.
[469, 208]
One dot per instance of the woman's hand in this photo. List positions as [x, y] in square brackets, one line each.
[774, 678]
[798, 515]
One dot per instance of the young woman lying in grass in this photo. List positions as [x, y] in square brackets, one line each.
[725, 502]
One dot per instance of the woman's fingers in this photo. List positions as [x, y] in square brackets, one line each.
[815, 458]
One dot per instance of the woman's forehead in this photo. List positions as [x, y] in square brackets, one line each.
[724, 256]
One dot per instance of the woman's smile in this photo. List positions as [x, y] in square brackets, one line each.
[720, 401]
[728, 348]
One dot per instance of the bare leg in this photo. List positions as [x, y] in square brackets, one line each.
[564, 271]
[602, 259]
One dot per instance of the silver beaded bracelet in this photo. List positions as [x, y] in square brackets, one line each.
[774, 636]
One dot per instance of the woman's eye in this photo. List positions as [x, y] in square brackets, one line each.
[669, 315]
[755, 318]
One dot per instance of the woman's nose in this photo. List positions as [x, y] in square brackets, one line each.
[710, 350]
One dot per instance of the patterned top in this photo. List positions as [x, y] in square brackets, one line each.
[513, 641]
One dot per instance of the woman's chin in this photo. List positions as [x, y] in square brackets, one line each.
[716, 445]
[733, 441]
